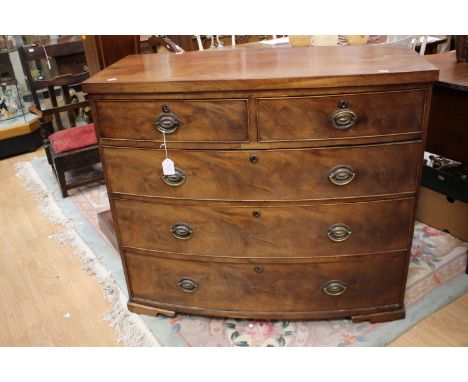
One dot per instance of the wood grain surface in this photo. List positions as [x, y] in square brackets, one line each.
[215, 120]
[452, 74]
[40, 280]
[308, 118]
[239, 69]
[255, 288]
[277, 174]
[282, 231]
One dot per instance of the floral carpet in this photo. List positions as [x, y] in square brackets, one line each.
[436, 277]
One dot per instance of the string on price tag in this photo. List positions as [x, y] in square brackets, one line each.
[167, 164]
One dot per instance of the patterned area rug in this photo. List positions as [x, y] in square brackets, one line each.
[436, 277]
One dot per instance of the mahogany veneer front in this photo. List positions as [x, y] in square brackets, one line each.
[236, 231]
[308, 118]
[301, 174]
[200, 120]
[253, 288]
[259, 141]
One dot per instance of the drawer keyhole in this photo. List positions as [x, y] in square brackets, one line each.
[256, 213]
[343, 104]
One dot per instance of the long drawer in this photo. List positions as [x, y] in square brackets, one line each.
[247, 288]
[271, 231]
[341, 116]
[327, 173]
[182, 121]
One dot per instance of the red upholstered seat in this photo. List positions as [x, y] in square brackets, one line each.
[73, 138]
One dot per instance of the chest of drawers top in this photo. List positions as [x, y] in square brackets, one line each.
[260, 69]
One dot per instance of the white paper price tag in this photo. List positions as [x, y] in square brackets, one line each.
[168, 167]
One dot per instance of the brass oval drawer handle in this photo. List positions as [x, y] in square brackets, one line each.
[181, 231]
[338, 232]
[175, 180]
[187, 285]
[334, 287]
[167, 122]
[341, 175]
[343, 119]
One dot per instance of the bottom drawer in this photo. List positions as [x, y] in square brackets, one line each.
[244, 288]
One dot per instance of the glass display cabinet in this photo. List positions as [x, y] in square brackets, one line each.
[11, 100]
[19, 129]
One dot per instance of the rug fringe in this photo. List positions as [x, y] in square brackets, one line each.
[33, 183]
[129, 327]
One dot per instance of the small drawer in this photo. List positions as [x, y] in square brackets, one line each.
[340, 116]
[266, 231]
[302, 174]
[254, 287]
[182, 121]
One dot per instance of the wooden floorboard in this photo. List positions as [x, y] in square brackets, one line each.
[46, 297]
[40, 282]
[447, 327]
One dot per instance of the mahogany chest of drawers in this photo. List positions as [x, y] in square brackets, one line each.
[295, 184]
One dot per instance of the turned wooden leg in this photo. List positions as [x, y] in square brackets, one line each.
[381, 317]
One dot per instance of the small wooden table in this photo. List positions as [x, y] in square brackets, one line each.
[447, 136]
[448, 127]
